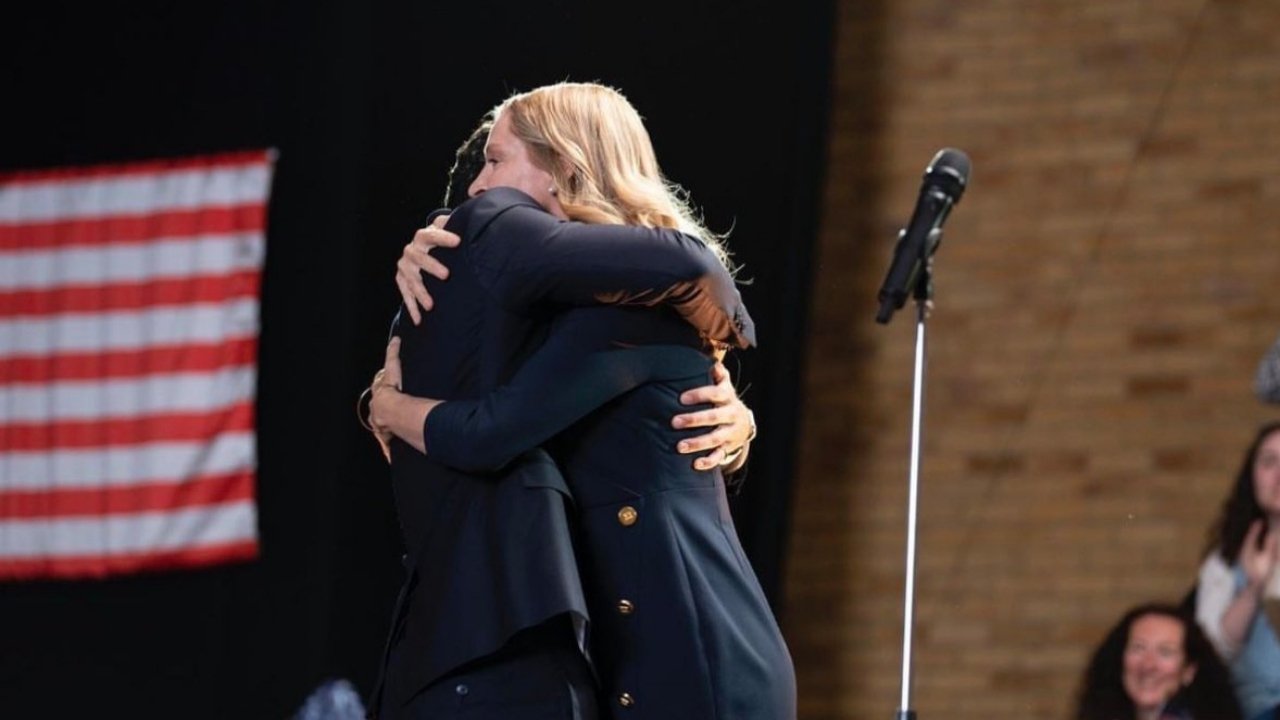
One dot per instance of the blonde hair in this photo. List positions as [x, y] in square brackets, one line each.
[595, 146]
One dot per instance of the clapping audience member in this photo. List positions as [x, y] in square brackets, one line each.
[1239, 585]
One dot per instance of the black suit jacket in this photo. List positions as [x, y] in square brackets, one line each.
[490, 553]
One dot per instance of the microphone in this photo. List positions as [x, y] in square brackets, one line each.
[944, 183]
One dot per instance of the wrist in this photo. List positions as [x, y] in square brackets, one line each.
[735, 456]
[382, 398]
[1254, 589]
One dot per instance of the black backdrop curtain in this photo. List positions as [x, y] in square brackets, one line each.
[365, 103]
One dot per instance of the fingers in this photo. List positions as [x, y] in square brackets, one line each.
[416, 259]
[422, 260]
[418, 252]
[384, 444]
[711, 417]
[1268, 559]
[709, 461]
[719, 394]
[719, 373]
[1272, 545]
[728, 419]
[716, 439]
[410, 302]
[391, 366]
[411, 283]
[434, 235]
[412, 290]
[713, 441]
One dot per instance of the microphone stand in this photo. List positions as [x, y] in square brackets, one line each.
[923, 293]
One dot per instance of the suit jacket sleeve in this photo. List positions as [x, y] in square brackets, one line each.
[558, 386]
[527, 258]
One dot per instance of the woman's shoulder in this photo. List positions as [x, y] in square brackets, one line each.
[474, 216]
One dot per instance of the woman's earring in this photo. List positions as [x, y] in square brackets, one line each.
[552, 190]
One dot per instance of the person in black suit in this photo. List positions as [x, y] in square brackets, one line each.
[679, 625]
[487, 624]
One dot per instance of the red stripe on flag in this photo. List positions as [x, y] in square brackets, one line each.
[130, 296]
[97, 566]
[135, 498]
[160, 427]
[155, 360]
[220, 161]
[127, 229]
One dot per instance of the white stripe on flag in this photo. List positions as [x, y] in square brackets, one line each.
[163, 258]
[133, 194]
[123, 466]
[127, 397]
[122, 534]
[130, 329]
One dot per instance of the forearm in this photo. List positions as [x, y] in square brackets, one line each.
[1239, 616]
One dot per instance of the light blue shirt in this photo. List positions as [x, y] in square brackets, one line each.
[1256, 669]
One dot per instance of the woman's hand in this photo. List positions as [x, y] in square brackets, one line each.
[1259, 563]
[385, 380]
[733, 423]
[391, 412]
[416, 259]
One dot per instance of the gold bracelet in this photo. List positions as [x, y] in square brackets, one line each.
[363, 415]
[364, 411]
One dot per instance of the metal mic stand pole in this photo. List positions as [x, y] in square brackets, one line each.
[923, 293]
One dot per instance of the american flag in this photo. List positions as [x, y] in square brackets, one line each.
[129, 302]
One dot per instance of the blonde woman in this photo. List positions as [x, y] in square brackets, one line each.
[679, 625]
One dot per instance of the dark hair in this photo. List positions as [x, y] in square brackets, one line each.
[468, 162]
[1241, 508]
[1208, 697]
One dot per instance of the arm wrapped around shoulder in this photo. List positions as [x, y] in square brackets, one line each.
[527, 257]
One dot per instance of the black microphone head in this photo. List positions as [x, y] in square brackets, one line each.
[949, 169]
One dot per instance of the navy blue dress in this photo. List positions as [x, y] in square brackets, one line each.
[680, 627]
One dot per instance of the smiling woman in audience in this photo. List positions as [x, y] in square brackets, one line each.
[1155, 664]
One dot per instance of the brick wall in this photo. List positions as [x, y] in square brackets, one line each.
[1105, 290]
